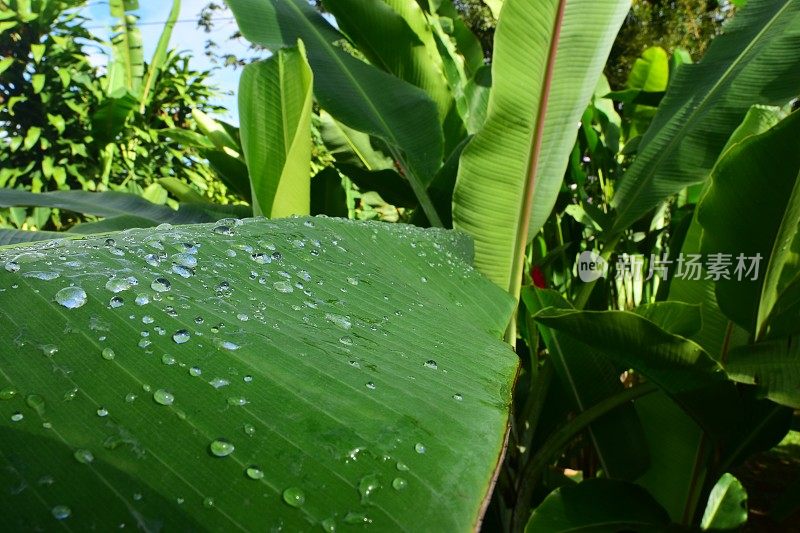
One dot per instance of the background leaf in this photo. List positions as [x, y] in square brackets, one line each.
[588, 377]
[598, 505]
[737, 186]
[545, 68]
[753, 61]
[354, 92]
[275, 114]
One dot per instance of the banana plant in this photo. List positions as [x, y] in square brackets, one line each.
[398, 71]
[546, 65]
[277, 92]
[750, 63]
[129, 84]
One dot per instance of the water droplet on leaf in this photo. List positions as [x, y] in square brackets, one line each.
[71, 297]
[282, 286]
[7, 393]
[346, 340]
[161, 285]
[253, 472]
[367, 486]
[294, 496]
[61, 512]
[36, 403]
[83, 456]
[180, 336]
[163, 397]
[221, 448]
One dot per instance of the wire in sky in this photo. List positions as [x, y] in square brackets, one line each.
[155, 22]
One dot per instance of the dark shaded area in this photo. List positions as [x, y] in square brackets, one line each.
[767, 476]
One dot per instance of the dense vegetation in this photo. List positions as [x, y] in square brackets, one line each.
[608, 335]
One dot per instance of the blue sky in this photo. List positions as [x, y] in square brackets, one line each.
[186, 36]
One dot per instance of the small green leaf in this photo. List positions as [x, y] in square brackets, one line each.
[37, 82]
[37, 50]
[57, 121]
[7, 25]
[47, 166]
[727, 505]
[5, 63]
[34, 132]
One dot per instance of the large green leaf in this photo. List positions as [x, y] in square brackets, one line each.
[336, 385]
[231, 171]
[753, 62]
[679, 454]
[467, 44]
[671, 361]
[650, 72]
[648, 77]
[328, 196]
[477, 93]
[717, 333]
[395, 35]
[221, 147]
[217, 133]
[354, 92]
[387, 183]
[275, 101]
[768, 239]
[588, 377]
[547, 59]
[599, 505]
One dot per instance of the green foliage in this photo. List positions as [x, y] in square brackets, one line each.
[605, 505]
[751, 63]
[522, 140]
[288, 397]
[672, 25]
[67, 127]
[638, 390]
